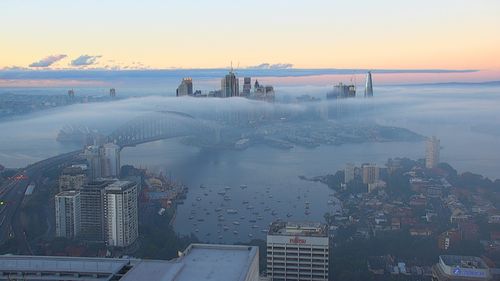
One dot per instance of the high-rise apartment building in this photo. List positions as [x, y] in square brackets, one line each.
[368, 85]
[68, 211]
[73, 177]
[185, 88]
[92, 210]
[432, 147]
[110, 160]
[120, 204]
[93, 155]
[349, 173]
[297, 251]
[370, 173]
[230, 86]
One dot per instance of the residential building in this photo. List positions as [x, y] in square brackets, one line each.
[370, 173]
[349, 171]
[432, 148]
[73, 177]
[110, 160]
[68, 212]
[120, 207]
[92, 210]
[297, 251]
[93, 155]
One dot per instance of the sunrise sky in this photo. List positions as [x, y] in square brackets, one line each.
[445, 34]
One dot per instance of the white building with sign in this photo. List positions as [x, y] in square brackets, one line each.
[464, 268]
[297, 251]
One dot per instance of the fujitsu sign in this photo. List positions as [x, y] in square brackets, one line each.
[297, 240]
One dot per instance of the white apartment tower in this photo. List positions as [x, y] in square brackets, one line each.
[68, 214]
[432, 147]
[120, 211]
[297, 251]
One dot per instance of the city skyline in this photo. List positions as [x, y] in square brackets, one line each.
[128, 35]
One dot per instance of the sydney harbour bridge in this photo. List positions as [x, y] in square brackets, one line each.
[163, 125]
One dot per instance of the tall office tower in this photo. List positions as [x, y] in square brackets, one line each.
[230, 86]
[92, 210]
[297, 251]
[110, 160]
[93, 155]
[73, 177]
[247, 86]
[370, 173]
[68, 212]
[349, 173]
[369, 85]
[342, 91]
[121, 214]
[112, 92]
[71, 93]
[432, 147]
[185, 88]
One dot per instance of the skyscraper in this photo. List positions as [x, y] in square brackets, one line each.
[112, 92]
[369, 86]
[230, 85]
[247, 86]
[297, 251]
[432, 147]
[185, 88]
[68, 214]
[110, 160]
[342, 91]
[121, 213]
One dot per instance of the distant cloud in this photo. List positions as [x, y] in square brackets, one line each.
[14, 68]
[84, 60]
[271, 66]
[48, 61]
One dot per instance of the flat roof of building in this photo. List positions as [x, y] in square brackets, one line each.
[464, 261]
[198, 262]
[120, 185]
[61, 264]
[313, 229]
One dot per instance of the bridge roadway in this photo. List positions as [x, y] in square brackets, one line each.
[12, 195]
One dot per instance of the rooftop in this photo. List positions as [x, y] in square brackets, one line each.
[314, 229]
[197, 262]
[120, 185]
[103, 267]
[464, 261]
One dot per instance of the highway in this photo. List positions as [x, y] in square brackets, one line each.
[12, 194]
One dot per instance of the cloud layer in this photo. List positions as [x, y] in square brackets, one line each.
[48, 61]
[272, 66]
[84, 60]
